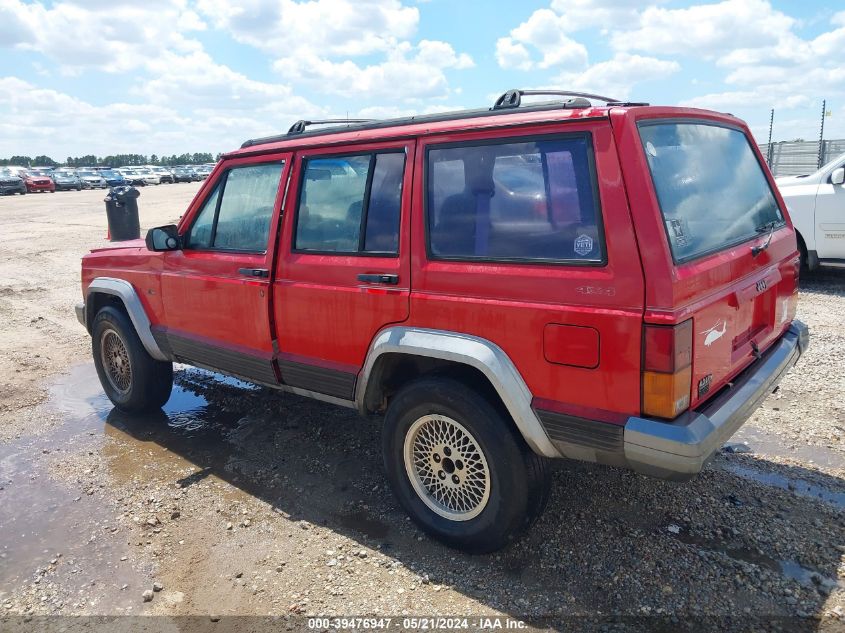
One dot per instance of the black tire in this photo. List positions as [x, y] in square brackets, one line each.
[148, 381]
[518, 481]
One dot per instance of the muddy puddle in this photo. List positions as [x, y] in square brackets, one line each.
[55, 530]
[767, 444]
[794, 485]
[795, 571]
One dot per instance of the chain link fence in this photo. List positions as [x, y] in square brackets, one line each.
[794, 158]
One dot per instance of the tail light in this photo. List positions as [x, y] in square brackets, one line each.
[667, 369]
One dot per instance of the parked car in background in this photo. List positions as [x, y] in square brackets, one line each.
[138, 176]
[149, 176]
[164, 174]
[203, 171]
[183, 174]
[113, 178]
[816, 204]
[38, 182]
[66, 179]
[11, 183]
[91, 180]
[636, 322]
[17, 170]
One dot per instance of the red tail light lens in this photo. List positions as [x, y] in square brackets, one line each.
[667, 371]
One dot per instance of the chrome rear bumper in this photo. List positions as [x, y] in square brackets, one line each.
[679, 449]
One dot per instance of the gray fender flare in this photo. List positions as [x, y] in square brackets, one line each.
[126, 292]
[484, 355]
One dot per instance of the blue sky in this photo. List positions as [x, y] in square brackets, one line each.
[173, 76]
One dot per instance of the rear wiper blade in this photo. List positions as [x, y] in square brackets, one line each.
[770, 227]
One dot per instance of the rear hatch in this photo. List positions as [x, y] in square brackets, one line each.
[726, 262]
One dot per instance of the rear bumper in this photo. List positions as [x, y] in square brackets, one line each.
[679, 449]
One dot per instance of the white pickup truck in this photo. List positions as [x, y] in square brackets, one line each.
[816, 204]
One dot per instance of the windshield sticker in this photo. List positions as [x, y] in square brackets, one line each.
[649, 147]
[677, 231]
[583, 245]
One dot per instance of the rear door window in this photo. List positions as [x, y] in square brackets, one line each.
[351, 204]
[532, 200]
[711, 188]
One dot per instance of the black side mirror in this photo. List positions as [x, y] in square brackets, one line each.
[163, 238]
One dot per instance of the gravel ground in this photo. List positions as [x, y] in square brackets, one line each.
[244, 501]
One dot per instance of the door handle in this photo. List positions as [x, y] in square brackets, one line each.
[254, 272]
[379, 278]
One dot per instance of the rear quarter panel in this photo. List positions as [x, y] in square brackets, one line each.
[511, 304]
[717, 290]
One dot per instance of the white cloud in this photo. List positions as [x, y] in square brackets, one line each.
[43, 121]
[782, 71]
[330, 27]
[316, 42]
[545, 32]
[706, 30]
[616, 77]
[108, 36]
[196, 80]
[407, 74]
[510, 54]
[605, 14]
[47, 121]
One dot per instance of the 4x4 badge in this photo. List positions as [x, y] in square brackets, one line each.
[714, 333]
[583, 245]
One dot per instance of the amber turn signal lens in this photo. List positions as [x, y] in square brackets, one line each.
[666, 395]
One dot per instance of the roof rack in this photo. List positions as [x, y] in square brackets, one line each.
[513, 98]
[508, 103]
[299, 126]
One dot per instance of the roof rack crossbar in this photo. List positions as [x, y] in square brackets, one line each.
[513, 98]
[299, 126]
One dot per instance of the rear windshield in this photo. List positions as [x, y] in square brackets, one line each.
[712, 190]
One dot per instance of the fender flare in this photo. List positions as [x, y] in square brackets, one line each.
[485, 356]
[126, 293]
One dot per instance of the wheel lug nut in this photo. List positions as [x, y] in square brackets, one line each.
[455, 479]
[441, 474]
[459, 464]
[437, 458]
[447, 451]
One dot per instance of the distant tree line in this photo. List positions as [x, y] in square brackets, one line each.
[117, 160]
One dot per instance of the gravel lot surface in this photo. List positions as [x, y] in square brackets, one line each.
[239, 500]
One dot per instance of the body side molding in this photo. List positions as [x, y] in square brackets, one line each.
[470, 350]
[126, 292]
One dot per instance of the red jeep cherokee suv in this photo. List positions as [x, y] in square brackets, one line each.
[615, 284]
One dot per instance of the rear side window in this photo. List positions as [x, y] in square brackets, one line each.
[712, 191]
[522, 201]
[236, 216]
[351, 204]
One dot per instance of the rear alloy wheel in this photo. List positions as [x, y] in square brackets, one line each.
[447, 469]
[132, 379]
[459, 468]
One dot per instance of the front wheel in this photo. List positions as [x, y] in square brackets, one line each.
[459, 468]
[132, 379]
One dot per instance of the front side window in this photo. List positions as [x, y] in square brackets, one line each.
[712, 191]
[236, 215]
[351, 204]
[523, 201]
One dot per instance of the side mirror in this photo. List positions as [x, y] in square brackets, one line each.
[163, 238]
[838, 176]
